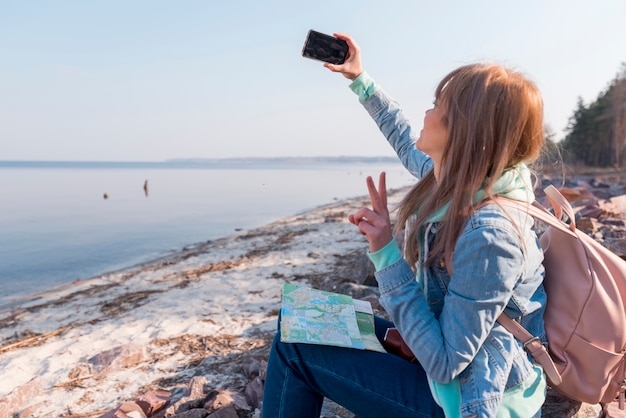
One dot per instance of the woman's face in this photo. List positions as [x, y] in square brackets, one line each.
[434, 135]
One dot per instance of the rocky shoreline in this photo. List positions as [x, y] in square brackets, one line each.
[188, 336]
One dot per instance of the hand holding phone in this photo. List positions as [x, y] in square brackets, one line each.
[322, 47]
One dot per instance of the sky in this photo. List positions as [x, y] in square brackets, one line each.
[155, 80]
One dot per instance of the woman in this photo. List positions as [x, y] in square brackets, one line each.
[465, 261]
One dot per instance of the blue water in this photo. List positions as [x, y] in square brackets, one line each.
[56, 226]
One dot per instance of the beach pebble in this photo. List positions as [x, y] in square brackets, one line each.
[121, 357]
[151, 402]
[254, 392]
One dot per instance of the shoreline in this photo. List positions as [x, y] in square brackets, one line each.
[80, 235]
[181, 314]
[25, 300]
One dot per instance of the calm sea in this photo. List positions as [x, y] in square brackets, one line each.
[56, 226]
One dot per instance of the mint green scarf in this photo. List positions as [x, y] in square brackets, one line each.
[514, 183]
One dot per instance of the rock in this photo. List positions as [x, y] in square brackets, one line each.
[20, 398]
[192, 413]
[117, 358]
[619, 204]
[331, 409]
[29, 412]
[617, 245]
[132, 410]
[251, 368]
[127, 410]
[354, 267]
[224, 398]
[591, 211]
[587, 225]
[254, 392]
[573, 194]
[263, 371]
[558, 405]
[195, 402]
[358, 291]
[195, 389]
[613, 222]
[599, 184]
[193, 397]
[227, 412]
[115, 413]
[153, 401]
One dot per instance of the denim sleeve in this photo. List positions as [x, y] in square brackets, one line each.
[399, 132]
[487, 263]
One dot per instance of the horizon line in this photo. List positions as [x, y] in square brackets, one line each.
[205, 160]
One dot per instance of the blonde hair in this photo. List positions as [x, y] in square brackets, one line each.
[494, 117]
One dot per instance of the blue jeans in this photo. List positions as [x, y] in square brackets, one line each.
[369, 384]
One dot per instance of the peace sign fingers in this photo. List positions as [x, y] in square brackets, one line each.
[375, 223]
[378, 197]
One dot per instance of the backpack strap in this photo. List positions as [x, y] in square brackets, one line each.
[533, 345]
[560, 205]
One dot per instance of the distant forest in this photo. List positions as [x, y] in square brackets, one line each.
[596, 133]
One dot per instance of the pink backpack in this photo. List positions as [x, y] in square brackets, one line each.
[585, 315]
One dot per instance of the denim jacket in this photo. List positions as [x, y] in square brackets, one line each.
[450, 321]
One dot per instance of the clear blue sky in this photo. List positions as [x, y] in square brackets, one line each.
[151, 80]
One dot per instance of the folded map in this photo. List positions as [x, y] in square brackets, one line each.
[315, 316]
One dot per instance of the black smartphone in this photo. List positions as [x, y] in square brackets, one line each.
[322, 47]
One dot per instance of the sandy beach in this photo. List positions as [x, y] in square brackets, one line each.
[201, 311]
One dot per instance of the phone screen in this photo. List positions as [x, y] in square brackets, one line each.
[322, 47]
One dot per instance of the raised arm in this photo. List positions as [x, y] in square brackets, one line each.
[387, 114]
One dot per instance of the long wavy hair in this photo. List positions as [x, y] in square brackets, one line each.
[494, 117]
